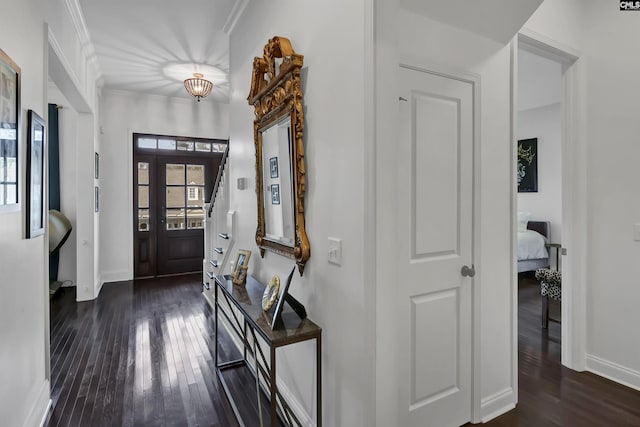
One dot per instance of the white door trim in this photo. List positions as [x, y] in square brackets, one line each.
[574, 212]
[475, 81]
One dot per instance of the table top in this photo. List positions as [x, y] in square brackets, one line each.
[248, 299]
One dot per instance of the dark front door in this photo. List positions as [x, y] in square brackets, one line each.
[181, 193]
[170, 190]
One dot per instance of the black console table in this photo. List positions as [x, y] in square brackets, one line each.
[247, 300]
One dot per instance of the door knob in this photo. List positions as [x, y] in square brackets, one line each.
[467, 271]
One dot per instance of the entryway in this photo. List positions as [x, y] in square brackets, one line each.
[173, 178]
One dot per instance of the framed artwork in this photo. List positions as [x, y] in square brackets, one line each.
[9, 131]
[35, 175]
[527, 169]
[96, 165]
[275, 194]
[273, 167]
[97, 199]
[241, 266]
[277, 314]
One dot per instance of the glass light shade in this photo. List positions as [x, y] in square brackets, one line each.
[198, 87]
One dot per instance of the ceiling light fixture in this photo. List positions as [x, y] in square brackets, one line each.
[198, 87]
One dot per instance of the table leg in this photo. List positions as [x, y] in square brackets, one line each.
[319, 381]
[215, 309]
[273, 389]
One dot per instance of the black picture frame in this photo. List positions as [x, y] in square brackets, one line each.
[277, 313]
[275, 194]
[97, 199]
[273, 167]
[527, 166]
[36, 146]
[96, 165]
[10, 123]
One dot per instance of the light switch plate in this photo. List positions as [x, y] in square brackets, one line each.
[334, 255]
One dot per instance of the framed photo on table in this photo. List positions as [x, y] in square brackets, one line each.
[9, 133]
[36, 140]
[241, 266]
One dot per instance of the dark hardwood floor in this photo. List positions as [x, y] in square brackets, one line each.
[549, 393]
[141, 354]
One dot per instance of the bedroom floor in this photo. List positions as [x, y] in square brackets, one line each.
[550, 394]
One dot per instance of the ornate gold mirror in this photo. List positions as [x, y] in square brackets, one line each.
[278, 130]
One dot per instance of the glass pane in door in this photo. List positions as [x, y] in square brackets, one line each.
[143, 173]
[175, 219]
[175, 197]
[175, 174]
[195, 218]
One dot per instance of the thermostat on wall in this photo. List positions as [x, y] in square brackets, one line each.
[242, 183]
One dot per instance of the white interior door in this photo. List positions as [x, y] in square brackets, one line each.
[435, 213]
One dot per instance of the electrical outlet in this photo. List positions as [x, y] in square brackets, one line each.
[334, 255]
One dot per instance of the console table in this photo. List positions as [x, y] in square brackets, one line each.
[247, 300]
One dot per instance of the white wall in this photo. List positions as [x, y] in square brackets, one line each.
[125, 113]
[24, 389]
[546, 205]
[614, 199]
[67, 129]
[336, 297]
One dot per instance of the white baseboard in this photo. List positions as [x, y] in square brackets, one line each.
[295, 405]
[613, 371]
[116, 276]
[497, 404]
[39, 410]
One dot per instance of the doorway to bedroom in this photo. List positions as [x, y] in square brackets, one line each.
[539, 205]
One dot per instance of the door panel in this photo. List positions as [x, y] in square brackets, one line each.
[435, 202]
[144, 225]
[182, 184]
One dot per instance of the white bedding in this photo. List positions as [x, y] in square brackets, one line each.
[531, 245]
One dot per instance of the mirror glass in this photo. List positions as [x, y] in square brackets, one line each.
[278, 183]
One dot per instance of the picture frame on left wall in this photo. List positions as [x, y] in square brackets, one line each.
[9, 133]
[36, 150]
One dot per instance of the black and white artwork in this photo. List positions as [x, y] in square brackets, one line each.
[273, 167]
[527, 169]
[275, 194]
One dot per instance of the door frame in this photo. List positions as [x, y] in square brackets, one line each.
[574, 195]
[131, 180]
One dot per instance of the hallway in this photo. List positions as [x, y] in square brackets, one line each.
[140, 354]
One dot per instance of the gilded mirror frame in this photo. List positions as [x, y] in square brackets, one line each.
[275, 94]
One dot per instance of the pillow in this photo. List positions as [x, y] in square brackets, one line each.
[523, 219]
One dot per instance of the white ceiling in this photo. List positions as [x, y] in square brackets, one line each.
[498, 20]
[151, 46]
[539, 81]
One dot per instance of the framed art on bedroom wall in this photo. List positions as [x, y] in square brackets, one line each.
[527, 169]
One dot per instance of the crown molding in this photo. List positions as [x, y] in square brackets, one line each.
[80, 25]
[234, 15]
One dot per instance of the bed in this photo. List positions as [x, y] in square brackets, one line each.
[532, 250]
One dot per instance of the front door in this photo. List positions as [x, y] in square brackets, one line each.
[170, 188]
[434, 224]
[181, 194]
